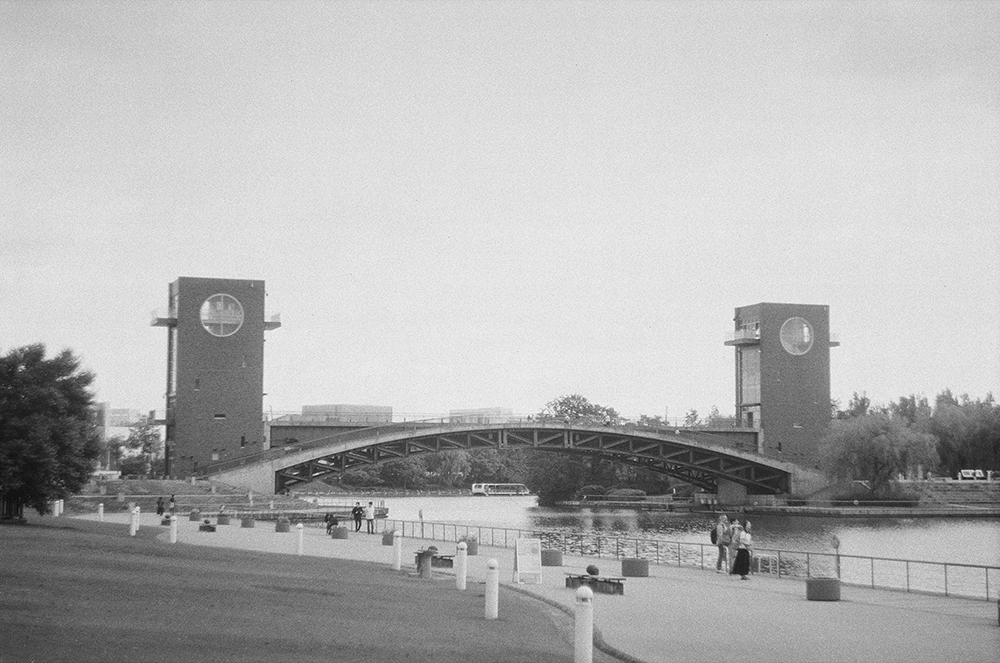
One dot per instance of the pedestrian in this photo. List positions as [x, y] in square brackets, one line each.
[173, 505]
[735, 530]
[723, 537]
[357, 513]
[741, 566]
[159, 506]
[370, 517]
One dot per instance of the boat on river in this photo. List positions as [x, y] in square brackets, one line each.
[500, 489]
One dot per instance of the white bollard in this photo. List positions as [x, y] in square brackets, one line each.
[397, 550]
[301, 530]
[461, 569]
[59, 507]
[133, 523]
[492, 589]
[100, 512]
[583, 649]
[173, 529]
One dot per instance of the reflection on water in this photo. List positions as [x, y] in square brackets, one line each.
[965, 541]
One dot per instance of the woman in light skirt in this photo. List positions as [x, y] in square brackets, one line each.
[744, 548]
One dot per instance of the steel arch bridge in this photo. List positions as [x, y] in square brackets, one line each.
[700, 457]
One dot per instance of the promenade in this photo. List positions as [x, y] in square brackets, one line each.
[683, 614]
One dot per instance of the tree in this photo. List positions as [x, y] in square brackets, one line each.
[578, 410]
[404, 473]
[493, 466]
[717, 420]
[48, 432]
[450, 467]
[112, 450]
[144, 440]
[856, 407]
[914, 410]
[691, 418]
[968, 432]
[558, 476]
[874, 449]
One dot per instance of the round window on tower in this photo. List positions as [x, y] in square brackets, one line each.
[221, 315]
[796, 336]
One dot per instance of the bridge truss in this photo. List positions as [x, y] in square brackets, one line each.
[700, 465]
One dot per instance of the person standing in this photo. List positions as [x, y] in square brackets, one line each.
[741, 566]
[370, 517]
[159, 506]
[173, 505]
[357, 512]
[735, 531]
[723, 537]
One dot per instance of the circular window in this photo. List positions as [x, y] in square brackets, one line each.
[796, 336]
[222, 315]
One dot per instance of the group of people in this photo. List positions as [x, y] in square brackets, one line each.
[735, 546]
[366, 512]
[162, 506]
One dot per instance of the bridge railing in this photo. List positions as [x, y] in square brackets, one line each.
[918, 576]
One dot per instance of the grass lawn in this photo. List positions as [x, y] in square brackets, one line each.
[73, 590]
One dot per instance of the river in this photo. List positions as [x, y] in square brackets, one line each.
[948, 540]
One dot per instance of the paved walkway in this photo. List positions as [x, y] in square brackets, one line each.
[690, 614]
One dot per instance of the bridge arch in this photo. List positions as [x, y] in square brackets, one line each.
[703, 458]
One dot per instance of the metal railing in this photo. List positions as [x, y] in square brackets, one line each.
[917, 576]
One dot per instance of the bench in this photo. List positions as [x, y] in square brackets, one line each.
[600, 584]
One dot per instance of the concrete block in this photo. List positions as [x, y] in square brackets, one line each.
[552, 558]
[823, 589]
[635, 568]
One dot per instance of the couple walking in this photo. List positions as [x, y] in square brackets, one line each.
[735, 546]
[368, 512]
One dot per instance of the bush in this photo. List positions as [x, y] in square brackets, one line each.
[626, 492]
[592, 489]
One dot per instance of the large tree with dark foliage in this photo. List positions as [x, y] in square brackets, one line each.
[558, 476]
[48, 434]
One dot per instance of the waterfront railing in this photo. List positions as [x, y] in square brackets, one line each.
[916, 576]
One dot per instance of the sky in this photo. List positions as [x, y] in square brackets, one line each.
[495, 204]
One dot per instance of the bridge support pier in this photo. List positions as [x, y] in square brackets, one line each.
[731, 493]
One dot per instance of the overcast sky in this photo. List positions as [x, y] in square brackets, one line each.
[460, 204]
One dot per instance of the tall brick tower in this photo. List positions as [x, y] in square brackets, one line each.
[783, 377]
[215, 371]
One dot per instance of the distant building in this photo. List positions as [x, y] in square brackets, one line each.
[349, 414]
[215, 371]
[484, 415]
[783, 376]
[123, 417]
[323, 421]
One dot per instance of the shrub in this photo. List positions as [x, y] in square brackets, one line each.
[627, 492]
[592, 489]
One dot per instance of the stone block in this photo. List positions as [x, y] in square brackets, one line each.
[552, 558]
[823, 589]
[635, 568]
